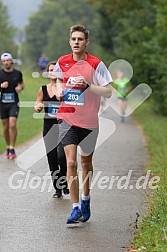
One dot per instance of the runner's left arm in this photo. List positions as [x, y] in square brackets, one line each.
[20, 86]
[101, 81]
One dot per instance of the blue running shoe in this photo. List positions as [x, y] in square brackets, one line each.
[75, 217]
[85, 208]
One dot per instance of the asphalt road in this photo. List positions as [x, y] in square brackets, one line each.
[32, 221]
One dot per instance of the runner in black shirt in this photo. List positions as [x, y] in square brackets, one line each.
[11, 84]
[56, 157]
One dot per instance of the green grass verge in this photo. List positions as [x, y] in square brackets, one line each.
[152, 236]
[28, 127]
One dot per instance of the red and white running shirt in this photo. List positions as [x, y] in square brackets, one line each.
[80, 108]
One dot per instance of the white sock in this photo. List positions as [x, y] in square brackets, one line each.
[75, 205]
[85, 197]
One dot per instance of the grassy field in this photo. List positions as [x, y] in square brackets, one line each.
[28, 127]
[152, 236]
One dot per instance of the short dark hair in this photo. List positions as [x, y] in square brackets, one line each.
[50, 63]
[80, 28]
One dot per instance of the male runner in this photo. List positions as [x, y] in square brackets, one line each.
[11, 84]
[85, 79]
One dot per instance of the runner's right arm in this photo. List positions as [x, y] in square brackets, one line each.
[38, 104]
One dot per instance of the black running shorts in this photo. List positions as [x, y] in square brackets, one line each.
[85, 138]
[8, 110]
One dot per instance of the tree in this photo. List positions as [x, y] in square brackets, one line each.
[133, 41]
[56, 47]
[36, 31]
[48, 29]
[7, 32]
[130, 26]
[159, 57]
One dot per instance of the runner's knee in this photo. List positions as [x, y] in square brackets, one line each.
[71, 164]
[12, 125]
[86, 165]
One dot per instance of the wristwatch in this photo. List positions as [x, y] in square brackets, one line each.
[88, 84]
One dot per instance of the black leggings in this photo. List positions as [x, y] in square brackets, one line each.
[56, 156]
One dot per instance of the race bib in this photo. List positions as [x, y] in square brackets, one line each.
[8, 97]
[52, 110]
[74, 96]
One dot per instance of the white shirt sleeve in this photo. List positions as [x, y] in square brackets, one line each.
[102, 76]
[57, 72]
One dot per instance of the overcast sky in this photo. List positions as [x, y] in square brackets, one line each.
[20, 10]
